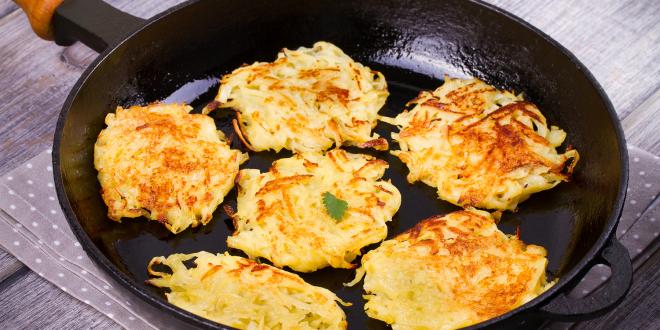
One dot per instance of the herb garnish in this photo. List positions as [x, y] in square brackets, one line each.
[334, 206]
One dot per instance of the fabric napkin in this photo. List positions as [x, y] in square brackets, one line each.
[33, 228]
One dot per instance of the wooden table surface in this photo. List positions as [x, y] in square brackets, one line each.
[618, 40]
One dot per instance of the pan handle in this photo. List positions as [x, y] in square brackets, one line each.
[93, 22]
[563, 308]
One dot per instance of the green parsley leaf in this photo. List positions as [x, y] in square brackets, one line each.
[334, 206]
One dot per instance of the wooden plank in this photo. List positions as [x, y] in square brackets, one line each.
[34, 87]
[6, 7]
[28, 301]
[617, 40]
[642, 126]
[8, 265]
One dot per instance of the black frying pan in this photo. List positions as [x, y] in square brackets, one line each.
[178, 56]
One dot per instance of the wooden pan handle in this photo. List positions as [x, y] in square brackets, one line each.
[40, 13]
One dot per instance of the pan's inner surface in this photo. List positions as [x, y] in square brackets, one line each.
[134, 242]
[413, 43]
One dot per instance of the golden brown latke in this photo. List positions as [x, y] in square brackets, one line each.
[481, 147]
[449, 272]
[306, 100]
[241, 293]
[281, 215]
[163, 163]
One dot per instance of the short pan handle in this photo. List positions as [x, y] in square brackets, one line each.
[93, 22]
[563, 308]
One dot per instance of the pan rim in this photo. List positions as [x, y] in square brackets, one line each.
[587, 261]
[565, 281]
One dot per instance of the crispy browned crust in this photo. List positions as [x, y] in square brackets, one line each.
[281, 215]
[465, 246]
[476, 150]
[168, 161]
[505, 147]
[308, 100]
[378, 144]
[469, 267]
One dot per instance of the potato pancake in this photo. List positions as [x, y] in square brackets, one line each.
[450, 272]
[163, 163]
[479, 146]
[282, 217]
[241, 293]
[306, 100]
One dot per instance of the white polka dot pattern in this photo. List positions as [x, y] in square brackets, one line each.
[637, 227]
[40, 238]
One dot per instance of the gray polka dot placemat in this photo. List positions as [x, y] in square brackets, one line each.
[33, 228]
